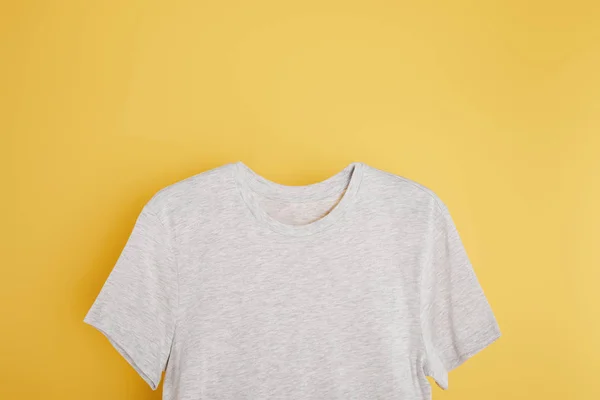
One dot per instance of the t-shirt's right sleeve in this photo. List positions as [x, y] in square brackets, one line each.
[135, 307]
[456, 318]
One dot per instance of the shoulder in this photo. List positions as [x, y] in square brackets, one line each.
[195, 194]
[399, 192]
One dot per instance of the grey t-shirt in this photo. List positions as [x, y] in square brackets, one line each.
[357, 287]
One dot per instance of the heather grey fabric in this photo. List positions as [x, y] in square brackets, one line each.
[356, 287]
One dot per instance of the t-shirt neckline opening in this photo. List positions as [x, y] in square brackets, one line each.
[344, 183]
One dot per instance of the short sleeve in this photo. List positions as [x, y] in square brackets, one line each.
[135, 307]
[456, 319]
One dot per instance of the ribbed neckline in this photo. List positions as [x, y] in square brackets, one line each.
[253, 186]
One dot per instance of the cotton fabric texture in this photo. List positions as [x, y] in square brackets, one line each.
[357, 287]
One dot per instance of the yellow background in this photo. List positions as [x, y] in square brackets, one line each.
[495, 105]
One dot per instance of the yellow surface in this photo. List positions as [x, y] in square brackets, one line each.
[495, 105]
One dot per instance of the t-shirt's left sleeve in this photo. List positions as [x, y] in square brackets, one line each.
[135, 308]
[456, 319]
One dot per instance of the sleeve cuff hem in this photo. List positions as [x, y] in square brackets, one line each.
[475, 348]
[119, 344]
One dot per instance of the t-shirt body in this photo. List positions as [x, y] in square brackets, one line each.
[357, 287]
